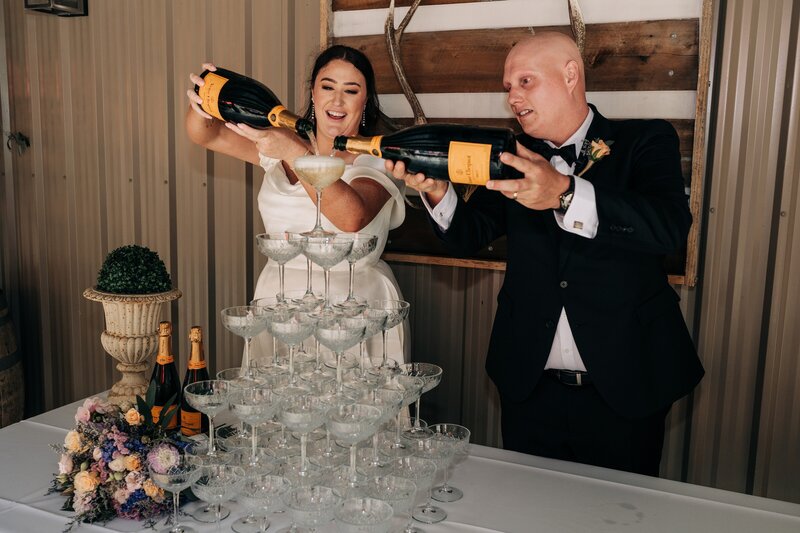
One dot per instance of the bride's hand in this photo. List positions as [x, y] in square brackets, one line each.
[276, 143]
[194, 99]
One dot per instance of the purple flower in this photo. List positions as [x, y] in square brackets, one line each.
[163, 457]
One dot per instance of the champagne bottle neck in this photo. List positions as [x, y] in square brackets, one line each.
[280, 117]
[360, 145]
[164, 356]
[196, 358]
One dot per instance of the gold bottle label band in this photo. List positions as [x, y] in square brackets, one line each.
[468, 163]
[197, 365]
[164, 359]
[191, 423]
[209, 92]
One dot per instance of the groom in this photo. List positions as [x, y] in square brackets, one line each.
[589, 348]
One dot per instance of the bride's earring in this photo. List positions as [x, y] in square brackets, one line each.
[312, 111]
[364, 116]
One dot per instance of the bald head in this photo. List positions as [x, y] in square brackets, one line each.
[544, 76]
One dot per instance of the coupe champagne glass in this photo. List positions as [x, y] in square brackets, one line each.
[389, 403]
[363, 245]
[246, 321]
[236, 377]
[280, 247]
[318, 171]
[263, 494]
[396, 311]
[411, 387]
[458, 437]
[364, 515]
[218, 484]
[431, 374]
[396, 491]
[209, 397]
[311, 507]
[327, 252]
[421, 471]
[303, 414]
[254, 406]
[339, 335]
[440, 452]
[350, 424]
[291, 326]
[174, 479]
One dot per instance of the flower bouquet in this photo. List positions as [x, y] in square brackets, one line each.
[103, 469]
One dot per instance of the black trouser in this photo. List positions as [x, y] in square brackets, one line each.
[575, 424]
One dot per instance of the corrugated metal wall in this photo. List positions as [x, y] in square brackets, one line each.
[746, 421]
[102, 100]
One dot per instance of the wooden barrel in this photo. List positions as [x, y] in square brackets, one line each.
[12, 392]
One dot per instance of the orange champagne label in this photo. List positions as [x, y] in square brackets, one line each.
[191, 423]
[156, 413]
[209, 92]
[468, 163]
[197, 365]
[164, 359]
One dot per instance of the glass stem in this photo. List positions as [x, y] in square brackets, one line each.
[416, 418]
[397, 442]
[327, 287]
[274, 351]
[363, 363]
[339, 384]
[175, 502]
[308, 279]
[254, 438]
[303, 443]
[353, 477]
[291, 364]
[317, 354]
[318, 225]
[248, 366]
[352, 274]
[385, 333]
[211, 450]
[376, 460]
[280, 281]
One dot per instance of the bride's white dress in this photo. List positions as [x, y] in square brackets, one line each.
[287, 207]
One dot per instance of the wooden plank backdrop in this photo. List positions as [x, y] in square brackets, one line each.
[102, 100]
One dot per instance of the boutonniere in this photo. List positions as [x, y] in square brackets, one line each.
[597, 150]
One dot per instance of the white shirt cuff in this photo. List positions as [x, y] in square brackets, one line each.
[443, 213]
[581, 217]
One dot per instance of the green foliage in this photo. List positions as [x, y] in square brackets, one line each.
[133, 269]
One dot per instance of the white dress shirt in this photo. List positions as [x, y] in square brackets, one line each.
[580, 218]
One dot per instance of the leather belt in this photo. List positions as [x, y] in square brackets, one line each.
[573, 378]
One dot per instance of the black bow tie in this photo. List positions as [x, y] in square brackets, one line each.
[567, 153]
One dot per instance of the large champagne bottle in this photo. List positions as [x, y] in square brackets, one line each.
[193, 421]
[455, 152]
[165, 379]
[235, 98]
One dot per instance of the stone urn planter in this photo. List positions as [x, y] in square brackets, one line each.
[131, 337]
[133, 285]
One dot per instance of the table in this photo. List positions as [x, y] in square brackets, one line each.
[503, 491]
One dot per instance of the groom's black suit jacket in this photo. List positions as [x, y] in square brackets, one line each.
[623, 314]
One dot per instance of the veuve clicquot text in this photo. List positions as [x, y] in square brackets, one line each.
[236, 98]
[455, 152]
[165, 379]
[193, 421]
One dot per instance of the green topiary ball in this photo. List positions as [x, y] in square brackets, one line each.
[133, 269]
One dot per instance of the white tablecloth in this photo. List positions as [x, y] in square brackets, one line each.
[503, 491]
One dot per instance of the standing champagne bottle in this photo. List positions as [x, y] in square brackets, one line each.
[235, 98]
[165, 379]
[455, 152]
[193, 421]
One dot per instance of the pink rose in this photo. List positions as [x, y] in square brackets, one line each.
[83, 415]
[65, 464]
